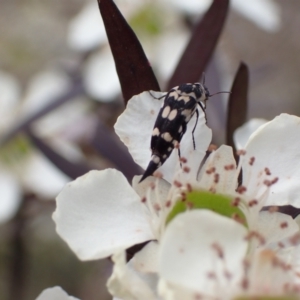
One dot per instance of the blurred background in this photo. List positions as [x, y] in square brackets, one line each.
[60, 96]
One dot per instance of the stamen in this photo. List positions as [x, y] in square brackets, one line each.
[177, 183]
[269, 183]
[255, 234]
[211, 170]
[236, 201]
[212, 148]
[216, 178]
[168, 203]
[238, 219]
[158, 174]
[284, 225]
[186, 169]
[241, 189]
[241, 152]
[251, 161]
[252, 203]
[294, 240]
[211, 275]
[189, 187]
[157, 207]
[267, 171]
[229, 167]
[183, 160]
[218, 249]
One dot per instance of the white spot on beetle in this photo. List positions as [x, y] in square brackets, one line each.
[166, 111]
[174, 95]
[186, 99]
[172, 114]
[155, 132]
[155, 159]
[186, 112]
[167, 136]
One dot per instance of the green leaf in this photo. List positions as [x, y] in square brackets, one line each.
[218, 203]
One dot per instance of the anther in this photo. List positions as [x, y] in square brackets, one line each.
[241, 189]
[186, 169]
[252, 203]
[210, 170]
[189, 187]
[283, 225]
[251, 161]
[240, 152]
[236, 201]
[212, 148]
[229, 167]
[219, 250]
[183, 160]
[157, 207]
[158, 174]
[267, 171]
[216, 178]
[238, 219]
[177, 183]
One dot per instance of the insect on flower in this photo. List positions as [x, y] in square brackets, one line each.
[180, 104]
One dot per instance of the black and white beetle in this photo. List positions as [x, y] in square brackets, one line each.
[180, 104]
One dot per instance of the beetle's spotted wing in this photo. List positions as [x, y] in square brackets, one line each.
[169, 128]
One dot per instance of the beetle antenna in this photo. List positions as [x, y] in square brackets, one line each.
[219, 93]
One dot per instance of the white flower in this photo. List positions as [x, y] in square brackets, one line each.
[203, 255]
[100, 212]
[21, 166]
[87, 33]
[271, 236]
[265, 14]
[242, 134]
[55, 293]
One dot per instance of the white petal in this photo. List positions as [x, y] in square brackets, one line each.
[127, 283]
[39, 175]
[269, 275]
[198, 243]
[55, 293]
[264, 13]
[100, 76]
[146, 260]
[168, 50]
[42, 89]
[224, 165]
[86, 30]
[158, 194]
[243, 133]
[275, 146]
[191, 6]
[99, 213]
[10, 196]
[135, 125]
[275, 226]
